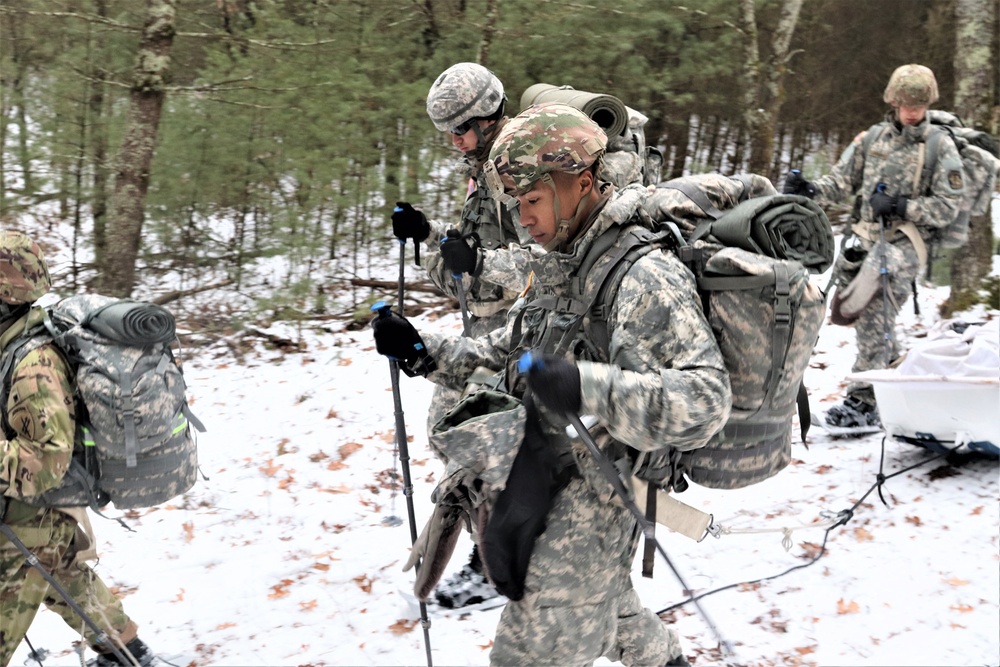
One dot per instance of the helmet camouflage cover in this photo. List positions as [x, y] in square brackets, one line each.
[461, 93]
[912, 86]
[538, 141]
[24, 275]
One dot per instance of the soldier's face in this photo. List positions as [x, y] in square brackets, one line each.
[911, 115]
[468, 141]
[537, 206]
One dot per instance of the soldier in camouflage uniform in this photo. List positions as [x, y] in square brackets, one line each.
[664, 385]
[468, 102]
[39, 425]
[910, 214]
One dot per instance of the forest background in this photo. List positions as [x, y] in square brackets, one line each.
[188, 141]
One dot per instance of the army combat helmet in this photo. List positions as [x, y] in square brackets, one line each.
[24, 275]
[463, 94]
[539, 141]
[911, 86]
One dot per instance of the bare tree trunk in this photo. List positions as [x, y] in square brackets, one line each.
[489, 30]
[765, 90]
[138, 145]
[99, 153]
[975, 77]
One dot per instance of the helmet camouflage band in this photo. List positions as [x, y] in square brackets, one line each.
[24, 275]
[911, 86]
[538, 141]
[461, 93]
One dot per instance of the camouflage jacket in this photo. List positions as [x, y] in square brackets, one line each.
[894, 159]
[41, 413]
[665, 383]
[504, 273]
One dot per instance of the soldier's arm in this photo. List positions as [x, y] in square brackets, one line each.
[458, 356]
[40, 410]
[845, 178]
[943, 204]
[666, 384]
[510, 266]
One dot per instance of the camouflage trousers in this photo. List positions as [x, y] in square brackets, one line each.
[50, 535]
[579, 602]
[879, 316]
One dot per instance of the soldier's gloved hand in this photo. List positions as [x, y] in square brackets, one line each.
[796, 184]
[554, 381]
[396, 338]
[460, 257]
[886, 207]
[409, 223]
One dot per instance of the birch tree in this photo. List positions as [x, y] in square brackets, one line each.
[975, 88]
[765, 80]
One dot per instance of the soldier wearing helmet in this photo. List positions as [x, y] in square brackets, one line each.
[902, 196]
[554, 537]
[467, 102]
[38, 416]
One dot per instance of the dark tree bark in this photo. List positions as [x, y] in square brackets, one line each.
[138, 146]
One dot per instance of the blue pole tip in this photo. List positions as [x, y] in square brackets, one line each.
[525, 363]
[381, 307]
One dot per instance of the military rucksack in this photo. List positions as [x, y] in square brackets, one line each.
[134, 446]
[765, 313]
[980, 167]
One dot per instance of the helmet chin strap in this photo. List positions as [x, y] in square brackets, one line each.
[563, 225]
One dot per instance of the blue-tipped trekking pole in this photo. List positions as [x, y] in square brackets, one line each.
[524, 365]
[383, 309]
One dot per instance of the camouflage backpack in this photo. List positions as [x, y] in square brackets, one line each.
[977, 150]
[765, 313]
[134, 446]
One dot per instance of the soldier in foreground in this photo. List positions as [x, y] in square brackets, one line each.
[39, 424]
[550, 527]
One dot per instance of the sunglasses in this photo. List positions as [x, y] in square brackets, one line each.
[463, 128]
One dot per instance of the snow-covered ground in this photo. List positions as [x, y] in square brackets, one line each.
[281, 557]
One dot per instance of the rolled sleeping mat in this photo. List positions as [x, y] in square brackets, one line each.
[606, 110]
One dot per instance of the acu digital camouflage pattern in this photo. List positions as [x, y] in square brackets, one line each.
[461, 93]
[50, 535]
[911, 86]
[584, 556]
[148, 455]
[540, 140]
[665, 385]
[668, 201]
[24, 275]
[894, 158]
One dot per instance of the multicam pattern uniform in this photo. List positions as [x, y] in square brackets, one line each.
[894, 159]
[41, 413]
[665, 385]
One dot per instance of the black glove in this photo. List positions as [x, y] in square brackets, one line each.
[554, 382]
[409, 223]
[795, 184]
[396, 338]
[886, 207]
[460, 257]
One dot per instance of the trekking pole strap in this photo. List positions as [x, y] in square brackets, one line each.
[101, 636]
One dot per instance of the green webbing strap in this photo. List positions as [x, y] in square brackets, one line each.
[781, 331]
[129, 419]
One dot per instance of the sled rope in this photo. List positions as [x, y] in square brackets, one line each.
[840, 519]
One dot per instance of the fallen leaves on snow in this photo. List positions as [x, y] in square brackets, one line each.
[847, 607]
